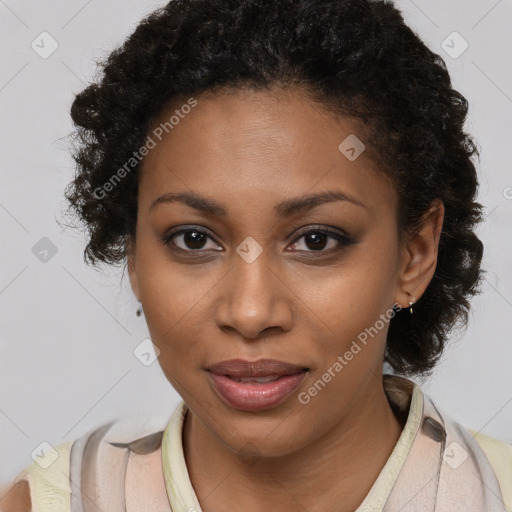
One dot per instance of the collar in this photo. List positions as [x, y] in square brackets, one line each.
[405, 397]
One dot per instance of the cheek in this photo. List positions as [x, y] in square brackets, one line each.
[175, 298]
[350, 295]
[350, 306]
[175, 314]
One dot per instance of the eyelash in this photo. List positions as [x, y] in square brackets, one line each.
[343, 240]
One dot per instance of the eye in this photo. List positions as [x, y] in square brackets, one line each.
[191, 239]
[316, 240]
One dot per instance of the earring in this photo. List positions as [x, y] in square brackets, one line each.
[139, 311]
[411, 304]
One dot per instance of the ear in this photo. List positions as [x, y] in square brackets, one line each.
[419, 256]
[132, 270]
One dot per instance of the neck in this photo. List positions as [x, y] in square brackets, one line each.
[335, 472]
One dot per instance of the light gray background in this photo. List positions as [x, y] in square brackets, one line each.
[68, 332]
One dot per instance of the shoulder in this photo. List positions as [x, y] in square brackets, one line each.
[16, 498]
[499, 454]
[45, 482]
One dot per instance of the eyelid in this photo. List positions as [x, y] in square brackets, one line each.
[330, 230]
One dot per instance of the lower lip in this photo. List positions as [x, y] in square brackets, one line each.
[249, 396]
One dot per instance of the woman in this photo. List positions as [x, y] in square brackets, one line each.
[292, 191]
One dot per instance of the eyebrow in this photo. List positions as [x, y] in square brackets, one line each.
[284, 209]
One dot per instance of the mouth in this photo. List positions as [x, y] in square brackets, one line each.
[255, 386]
[258, 380]
[242, 369]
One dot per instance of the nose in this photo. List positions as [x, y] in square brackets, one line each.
[253, 300]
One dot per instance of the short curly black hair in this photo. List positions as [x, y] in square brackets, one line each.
[358, 58]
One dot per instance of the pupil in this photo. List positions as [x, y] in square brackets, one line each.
[316, 237]
[193, 239]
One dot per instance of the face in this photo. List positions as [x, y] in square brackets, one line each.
[253, 276]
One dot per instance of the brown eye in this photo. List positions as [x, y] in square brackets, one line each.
[194, 239]
[315, 240]
[188, 240]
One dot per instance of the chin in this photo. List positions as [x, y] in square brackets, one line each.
[274, 437]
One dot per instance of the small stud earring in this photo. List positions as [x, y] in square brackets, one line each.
[139, 311]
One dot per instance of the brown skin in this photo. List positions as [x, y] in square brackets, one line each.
[249, 151]
[16, 498]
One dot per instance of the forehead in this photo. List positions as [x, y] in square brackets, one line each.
[256, 145]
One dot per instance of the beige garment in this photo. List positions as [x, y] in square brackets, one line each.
[116, 455]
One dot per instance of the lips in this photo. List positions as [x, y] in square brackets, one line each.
[242, 369]
[257, 380]
[255, 386]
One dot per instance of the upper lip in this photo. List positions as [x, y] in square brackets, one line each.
[259, 368]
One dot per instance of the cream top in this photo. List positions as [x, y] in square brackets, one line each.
[183, 497]
[50, 487]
